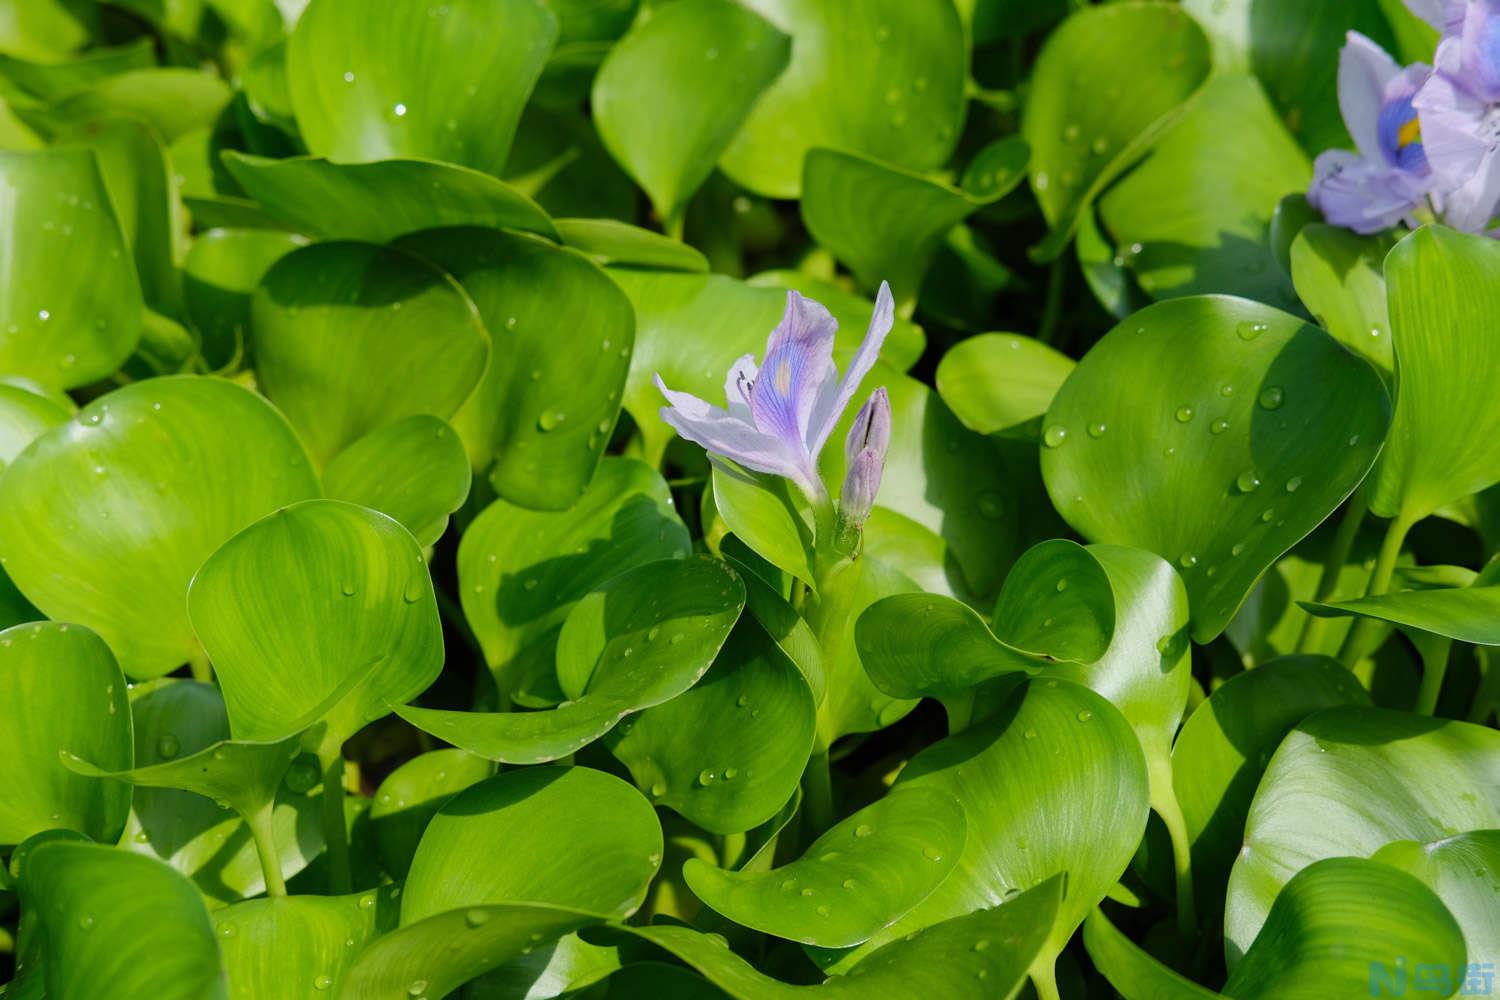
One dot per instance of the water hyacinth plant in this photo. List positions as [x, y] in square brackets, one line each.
[749, 498]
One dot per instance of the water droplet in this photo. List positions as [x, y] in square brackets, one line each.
[1272, 396]
[399, 110]
[787, 885]
[863, 830]
[1226, 389]
[87, 920]
[227, 930]
[1100, 145]
[991, 505]
[1293, 483]
[1062, 585]
[1188, 560]
[1085, 715]
[1247, 482]
[1097, 430]
[652, 633]
[476, 917]
[1249, 331]
[1030, 734]
[882, 33]
[67, 361]
[1238, 549]
[981, 944]
[1267, 514]
[322, 983]
[932, 854]
[676, 639]
[1219, 426]
[43, 315]
[301, 775]
[550, 419]
[658, 789]
[1071, 132]
[706, 777]
[1054, 436]
[824, 910]
[1184, 414]
[848, 883]
[1354, 440]
[348, 77]
[168, 746]
[417, 988]
[809, 891]
[1164, 644]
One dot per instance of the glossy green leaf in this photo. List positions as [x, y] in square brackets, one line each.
[538, 420]
[219, 276]
[440, 953]
[641, 639]
[560, 836]
[343, 335]
[1468, 614]
[441, 83]
[1459, 870]
[1340, 277]
[760, 510]
[609, 241]
[1224, 747]
[46, 29]
[414, 470]
[674, 91]
[520, 571]
[173, 100]
[884, 222]
[1133, 972]
[925, 646]
[1195, 217]
[755, 710]
[27, 410]
[412, 794]
[63, 325]
[986, 950]
[298, 946]
[1221, 432]
[381, 201]
[114, 923]
[53, 80]
[843, 55]
[1348, 781]
[1001, 383]
[1053, 781]
[1080, 143]
[1442, 444]
[856, 878]
[320, 611]
[132, 496]
[60, 692]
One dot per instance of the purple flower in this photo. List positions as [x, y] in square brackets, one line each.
[1389, 176]
[864, 451]
[781, 413]
[1460, 109]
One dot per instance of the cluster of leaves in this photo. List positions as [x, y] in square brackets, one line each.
[356, 644]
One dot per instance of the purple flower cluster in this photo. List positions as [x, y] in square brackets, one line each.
[1426, 137]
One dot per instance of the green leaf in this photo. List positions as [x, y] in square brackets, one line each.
[674, 91]
[760, 510]
[538, 420]
[641, 639]
[1001, 383]
[64, 325]
[53, 80]
[1053, 781]
[27, 410]
[441, 83]
[46, 29]
[1221, 431]
[1348, 781]
[112, 923]
[414, 470]
[173, 100]
[60, 691]
[986, 950]
[320, 611]
[298, 945]
[926, 646]
[438, 954]
[1153, 53]
[856, 878]
[1340, 277]
[344, 335]
[1224, 747]
[882, 221]
[609, 241]
[1467, 614]
[1195, 216]
[520, 571]
[412, 794]
[845, 53]
[1133, 972]
[381, 201]
[1459, 869]
[573, 837]
[219, 276]
[729, 752]
[1337, 924]
[1443, 441]
[132, 496]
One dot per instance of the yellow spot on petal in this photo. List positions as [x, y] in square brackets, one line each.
[1409, 133]
[784, 378]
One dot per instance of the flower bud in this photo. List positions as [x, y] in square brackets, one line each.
[865, 449]
[872, 428]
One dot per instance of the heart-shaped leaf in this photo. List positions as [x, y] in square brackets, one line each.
[298, 945]
[1222, 431]
[132, 496]
[1080, 143]
[414, 470]
[1001, 383]
[381, 201]
[219, 276]
[113, 923]
[538, 420]
[609, 241]
[641, 639]
[756, 711]
[64, 325]
[1340, 277]
[440, 83]
[855, 879]
[561, 836]
[1348, 781]
[61, 692]
[1442, 444]
[521, 570]
[27, 410]
[322, 611]
[343, 334]
[1456, 868]
[925, 646]
[412, 794]
[674, 91]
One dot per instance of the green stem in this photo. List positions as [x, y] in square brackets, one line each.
[1052, 308]
[335, 829]
[1489, 679]
[1164, 801]
[1359, 643]
[1314, 627]
[817, 793]
[262, 831]
[1044, 978]
[1434, 669]
[676, 223]
[201, 669]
